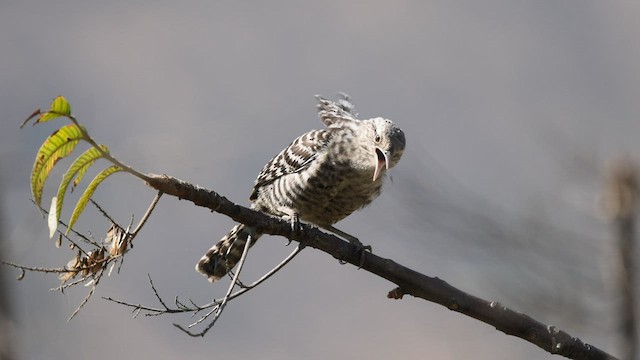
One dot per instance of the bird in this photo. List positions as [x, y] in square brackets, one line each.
[322, 177]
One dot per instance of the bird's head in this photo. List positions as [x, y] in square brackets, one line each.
[388, 144]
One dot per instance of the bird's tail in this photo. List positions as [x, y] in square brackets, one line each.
[224, 255]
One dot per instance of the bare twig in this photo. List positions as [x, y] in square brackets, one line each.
[264, 277]
[218, 309]
[103, 212]
[194, 308]
[146, 215]
[35, 268]
[73, 283]
[75, 232]
[138, 308]
[96, 280]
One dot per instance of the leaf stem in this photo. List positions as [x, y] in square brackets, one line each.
[105, 154]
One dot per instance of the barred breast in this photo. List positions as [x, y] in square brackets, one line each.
[325, 192]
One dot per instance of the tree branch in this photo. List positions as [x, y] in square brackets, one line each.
[409, 281]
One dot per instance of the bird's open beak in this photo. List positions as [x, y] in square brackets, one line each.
[381, 161]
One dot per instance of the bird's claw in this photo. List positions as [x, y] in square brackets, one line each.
[296, 229]
[361, 249]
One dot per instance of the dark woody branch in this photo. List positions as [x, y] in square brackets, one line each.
[408, 281]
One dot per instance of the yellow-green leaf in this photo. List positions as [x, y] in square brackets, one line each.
[77, 170]
[60, 144]
[59, 107]
[86, 160]
[84, 199]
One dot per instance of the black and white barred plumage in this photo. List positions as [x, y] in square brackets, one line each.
[321, 177]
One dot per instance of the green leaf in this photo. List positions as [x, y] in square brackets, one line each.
[59, 107]
[84, 199]
[60, 144]
[77, 170]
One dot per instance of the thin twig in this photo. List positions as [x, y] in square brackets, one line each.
[155, 292]
[36, 269]
[264, 277]
[223, 304]
[137, 307]
[96, 280]
[76, 245]
[103, 212]
[194, 308]
[70, 284]
[151, 310]
[78, 234]
[147, 214]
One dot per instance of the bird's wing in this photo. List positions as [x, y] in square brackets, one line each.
[296, 157]
[336, 113]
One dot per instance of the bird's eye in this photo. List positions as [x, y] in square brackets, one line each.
[377, 139]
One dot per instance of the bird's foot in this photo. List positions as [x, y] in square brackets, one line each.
[296, 229]
[360, 248]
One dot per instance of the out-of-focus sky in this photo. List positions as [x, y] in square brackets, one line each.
[512, 111]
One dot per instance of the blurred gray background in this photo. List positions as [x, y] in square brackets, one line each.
[513, 112]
